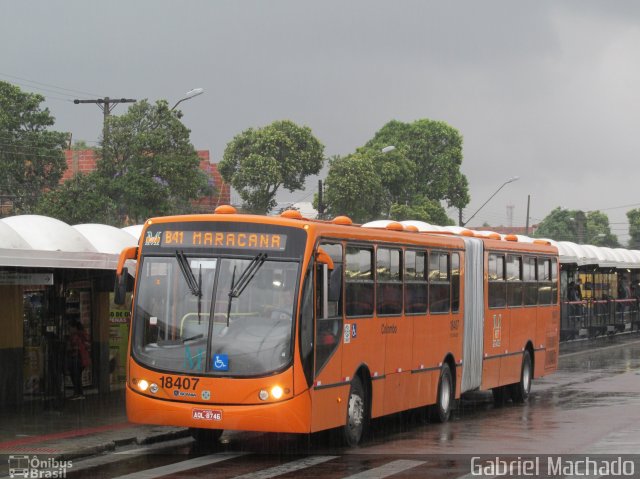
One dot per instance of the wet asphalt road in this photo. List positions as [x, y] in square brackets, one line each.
[589, 407]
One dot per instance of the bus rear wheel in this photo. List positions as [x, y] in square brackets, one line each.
[441, 411]
[206, 437]
[520, 390]
[357, 414]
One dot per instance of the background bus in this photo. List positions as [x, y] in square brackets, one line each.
[284, 324]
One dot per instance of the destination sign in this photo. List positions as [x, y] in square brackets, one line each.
[219, 239]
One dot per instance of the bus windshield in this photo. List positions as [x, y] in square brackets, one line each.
[218, 316]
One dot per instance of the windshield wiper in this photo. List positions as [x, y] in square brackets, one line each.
[244, 279]
[193, 284]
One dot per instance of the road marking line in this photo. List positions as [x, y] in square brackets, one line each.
[120, 456]
[389, 469]
[179, 466]
[286, 468]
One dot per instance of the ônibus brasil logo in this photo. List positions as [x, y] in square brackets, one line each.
[33, 466]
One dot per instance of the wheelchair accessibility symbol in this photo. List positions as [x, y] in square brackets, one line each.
[220, 362]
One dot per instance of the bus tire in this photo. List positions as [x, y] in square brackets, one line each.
[520, 390]
[205, 437]
[441, 410]
[357, 414]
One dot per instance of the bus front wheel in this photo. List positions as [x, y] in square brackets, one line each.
[357, 414]
[441, 411]
[206, 437]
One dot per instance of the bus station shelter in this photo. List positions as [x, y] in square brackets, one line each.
[51, 275]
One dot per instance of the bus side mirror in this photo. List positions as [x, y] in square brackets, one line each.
[323, 258]
[120, 289]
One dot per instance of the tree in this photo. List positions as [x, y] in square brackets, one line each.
[577, 227]
[257, 162]
[81, 199]
[353, 188]
[599, 231]
[415, 177]
[151, 167]
[435, 150]
[634, 228]
[31, 157]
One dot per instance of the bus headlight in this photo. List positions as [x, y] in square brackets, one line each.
[263, 395]
[143, 385]
[276, 392]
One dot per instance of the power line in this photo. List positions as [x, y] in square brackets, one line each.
[614, 207]
[49, 85]
[30, 155]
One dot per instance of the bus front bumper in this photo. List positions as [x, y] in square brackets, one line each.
[289, 416]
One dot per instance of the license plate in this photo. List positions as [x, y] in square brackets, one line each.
[207, 414]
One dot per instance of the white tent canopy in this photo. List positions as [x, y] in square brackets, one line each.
[42, 242]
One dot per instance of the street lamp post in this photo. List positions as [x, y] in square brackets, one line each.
[188, 96]
[510, 180]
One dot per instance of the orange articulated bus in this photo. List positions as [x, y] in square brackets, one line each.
[284, 324]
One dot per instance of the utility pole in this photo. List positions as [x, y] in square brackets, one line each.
[320, 203]
[106, 104]
[526, 230]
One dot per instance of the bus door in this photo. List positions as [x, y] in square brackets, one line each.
[328, 383]
[396, 329]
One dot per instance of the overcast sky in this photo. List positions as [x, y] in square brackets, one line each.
[547, 91]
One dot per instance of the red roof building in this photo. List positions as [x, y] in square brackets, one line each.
[85, 161]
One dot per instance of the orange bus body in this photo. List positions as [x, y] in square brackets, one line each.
[399, 357]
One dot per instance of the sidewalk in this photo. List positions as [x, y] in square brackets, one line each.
[77, 429]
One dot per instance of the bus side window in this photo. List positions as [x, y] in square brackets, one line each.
[389, 281]
[439, 283]
[531, 284]
[455, 282]
[514, 280]
[416, 288]
[544, 281]
[329, 322]
[497, 284]
[359, 281]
